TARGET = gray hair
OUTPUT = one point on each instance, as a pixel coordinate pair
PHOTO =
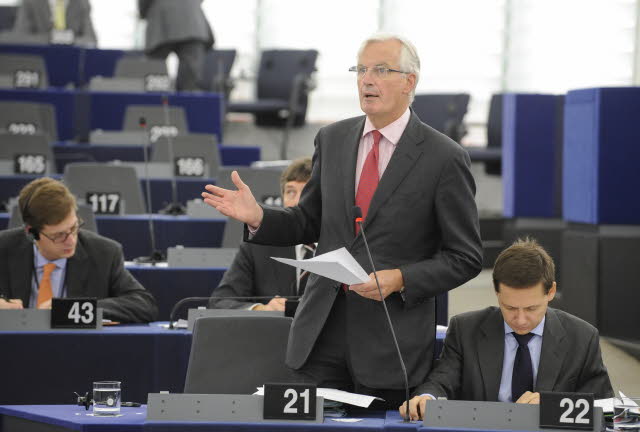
(409, 60)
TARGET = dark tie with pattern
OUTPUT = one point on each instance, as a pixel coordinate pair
(522, 378)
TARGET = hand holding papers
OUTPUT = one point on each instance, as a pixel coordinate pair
(338, 265)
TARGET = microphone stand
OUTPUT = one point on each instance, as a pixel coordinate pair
(185, 300)
(174, 208)
(358, 213)
(156, 255)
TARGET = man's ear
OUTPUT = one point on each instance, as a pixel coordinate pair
(410, 83)
(552, 291)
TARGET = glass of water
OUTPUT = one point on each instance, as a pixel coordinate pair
(106, 398)
(626, 414)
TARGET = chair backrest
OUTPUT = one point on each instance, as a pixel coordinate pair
(202, 146)
(26, 118)
(494, 132)
(216, 70)
(24, 70)
(443, 112)
(7, 17)
(279, 70)
(234, 355)
(27, 148)
(265, 185)
(156, 122)
(84, 212)
(95, 178)
(139, 67)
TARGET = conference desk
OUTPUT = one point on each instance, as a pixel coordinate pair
(170, 285)
(78, 111)
(132, 232)
(47, 367)
(188, 189)
(71, 152)
(69, 417)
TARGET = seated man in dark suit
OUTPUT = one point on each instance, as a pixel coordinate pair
(254, 273)
(511, 353)
(53, 257)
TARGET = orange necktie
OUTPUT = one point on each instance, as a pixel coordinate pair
(45, 293)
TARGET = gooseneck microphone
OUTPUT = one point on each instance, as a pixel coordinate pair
(186, 300)
(357, 214)
(156, 255)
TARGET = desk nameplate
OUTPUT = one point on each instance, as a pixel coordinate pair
(490, 415)
(215, 408)
(36, 320)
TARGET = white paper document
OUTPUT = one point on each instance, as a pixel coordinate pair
(338, 265)
(339, 396)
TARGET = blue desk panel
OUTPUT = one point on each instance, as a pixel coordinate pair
(600, 169)
(47, 367)
(100, 62)
(62, 61)
(188, 189)
(204, 111)
(71, 152)
(133, 232)
(170, 285)
(135, 419)
(63, 100)
(531, 155)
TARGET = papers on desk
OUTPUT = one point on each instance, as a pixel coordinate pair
(339, 396)
(180, 324)
(338, 265)
(607, 404)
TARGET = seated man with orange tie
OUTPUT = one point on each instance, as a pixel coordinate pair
(53, 257)
(511, 353)
(254, 273)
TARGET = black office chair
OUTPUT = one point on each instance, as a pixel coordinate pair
(25, 154)
(26, 118)
(23, 71)
(284, 82)
(221, 350)
(265, 185)
(216, 72)
(203, 146)
(444, 112)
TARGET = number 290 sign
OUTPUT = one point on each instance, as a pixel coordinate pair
(74, 313)
(566, 410)
(289, 401)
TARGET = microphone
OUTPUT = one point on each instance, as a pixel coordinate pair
(156, 255)
(186, 300)
(174, 208)
(357, 213)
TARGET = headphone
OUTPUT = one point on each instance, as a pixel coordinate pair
(34, 232)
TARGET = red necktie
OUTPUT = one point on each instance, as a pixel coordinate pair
(369, 177)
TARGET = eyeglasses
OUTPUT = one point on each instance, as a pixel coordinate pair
(61, 237)
(377, 71)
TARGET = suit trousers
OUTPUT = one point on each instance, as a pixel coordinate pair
(329, 364)
(191, 57)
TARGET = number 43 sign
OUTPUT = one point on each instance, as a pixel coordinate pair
(73, 313)
(566, 410)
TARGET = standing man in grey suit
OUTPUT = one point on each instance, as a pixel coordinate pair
(253, 273)
(512, 353)
(53, 257)
(180, 27)
(416, 193)
(40, 17)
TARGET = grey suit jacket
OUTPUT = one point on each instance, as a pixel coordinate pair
(470, 366)
(422, 220)
(170, 21)
(254, 273)
(95, 270)
(34, 17)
